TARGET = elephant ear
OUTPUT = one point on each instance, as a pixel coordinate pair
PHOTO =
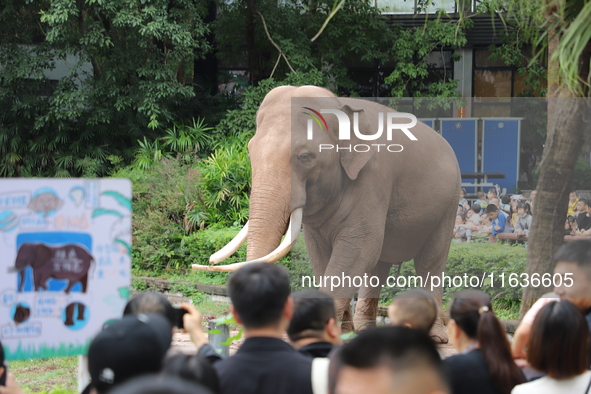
(44, 255)
(353, 161)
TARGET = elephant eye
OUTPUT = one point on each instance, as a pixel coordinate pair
(306, 158)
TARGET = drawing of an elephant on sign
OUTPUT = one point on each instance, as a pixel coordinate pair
(69, 262)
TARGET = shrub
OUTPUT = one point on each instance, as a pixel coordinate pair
(226, 182)
(167, 204)
(582, 175)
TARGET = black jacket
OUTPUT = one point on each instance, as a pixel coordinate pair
(265, 365)
(316, 349)
(468, 374)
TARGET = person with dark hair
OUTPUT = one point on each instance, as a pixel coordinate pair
(462, 231)
(8, 384)
(523, 221)
(505, 204)
(573, 198)
(523, 330)
(583, 217)
(130, 347)
(573, 264)
(313, 329)
(463, 203)
(194, 368)
(150, 302)
(532, 199)
(558, 347)
(415, 308)
(264, 364)
(498, 221)
(491, 193)
(484, 365)
(480, 199)
(158, 384)
(570, 225)
(390, 360)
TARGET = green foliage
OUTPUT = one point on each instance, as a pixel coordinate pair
(411, 76)
(475, 259)
(356, 32)
(182, 140)
(582, 175)
(164, 198)
(226, 182)
(242, 121)
(128, 65)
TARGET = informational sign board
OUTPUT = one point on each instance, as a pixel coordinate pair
(65, 262)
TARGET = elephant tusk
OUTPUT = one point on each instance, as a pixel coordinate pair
(291, 236)
(230, 248)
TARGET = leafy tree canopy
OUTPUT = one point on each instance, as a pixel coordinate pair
(141, 57)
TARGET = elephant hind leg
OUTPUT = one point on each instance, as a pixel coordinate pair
(431, 262)
(81, 311)
(71, 284)
(84, 282)
(343, 309)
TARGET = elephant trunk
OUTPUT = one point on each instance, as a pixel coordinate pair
(269, 214)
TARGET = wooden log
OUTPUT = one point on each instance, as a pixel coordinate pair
(165, 285)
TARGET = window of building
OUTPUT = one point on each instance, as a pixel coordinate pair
(494, 84)
(416, 6)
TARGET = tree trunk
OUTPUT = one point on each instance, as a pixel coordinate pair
(562, 147)
(253, 57)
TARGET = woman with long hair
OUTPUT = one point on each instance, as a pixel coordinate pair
(485, 364)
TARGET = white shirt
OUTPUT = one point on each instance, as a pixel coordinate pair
(546, 385)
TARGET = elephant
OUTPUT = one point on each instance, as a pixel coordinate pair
(71, 262)
(362, 209)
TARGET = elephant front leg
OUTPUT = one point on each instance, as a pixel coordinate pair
(40, 280)
(367, 305)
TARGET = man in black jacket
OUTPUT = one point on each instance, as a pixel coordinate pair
(313, 329)
(264, 364)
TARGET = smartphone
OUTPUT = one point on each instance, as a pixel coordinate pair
(3, 377)
(179, 317)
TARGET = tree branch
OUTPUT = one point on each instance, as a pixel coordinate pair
(332, 13)
(273, 42)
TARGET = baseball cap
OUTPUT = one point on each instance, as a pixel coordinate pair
(132, 346)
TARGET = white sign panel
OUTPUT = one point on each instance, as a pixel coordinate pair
(65, 262)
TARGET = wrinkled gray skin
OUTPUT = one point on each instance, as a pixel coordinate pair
(362, 211)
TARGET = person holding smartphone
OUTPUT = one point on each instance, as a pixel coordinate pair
(8, 384)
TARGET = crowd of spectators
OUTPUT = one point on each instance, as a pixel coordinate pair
(292, 343)
(511, 216)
